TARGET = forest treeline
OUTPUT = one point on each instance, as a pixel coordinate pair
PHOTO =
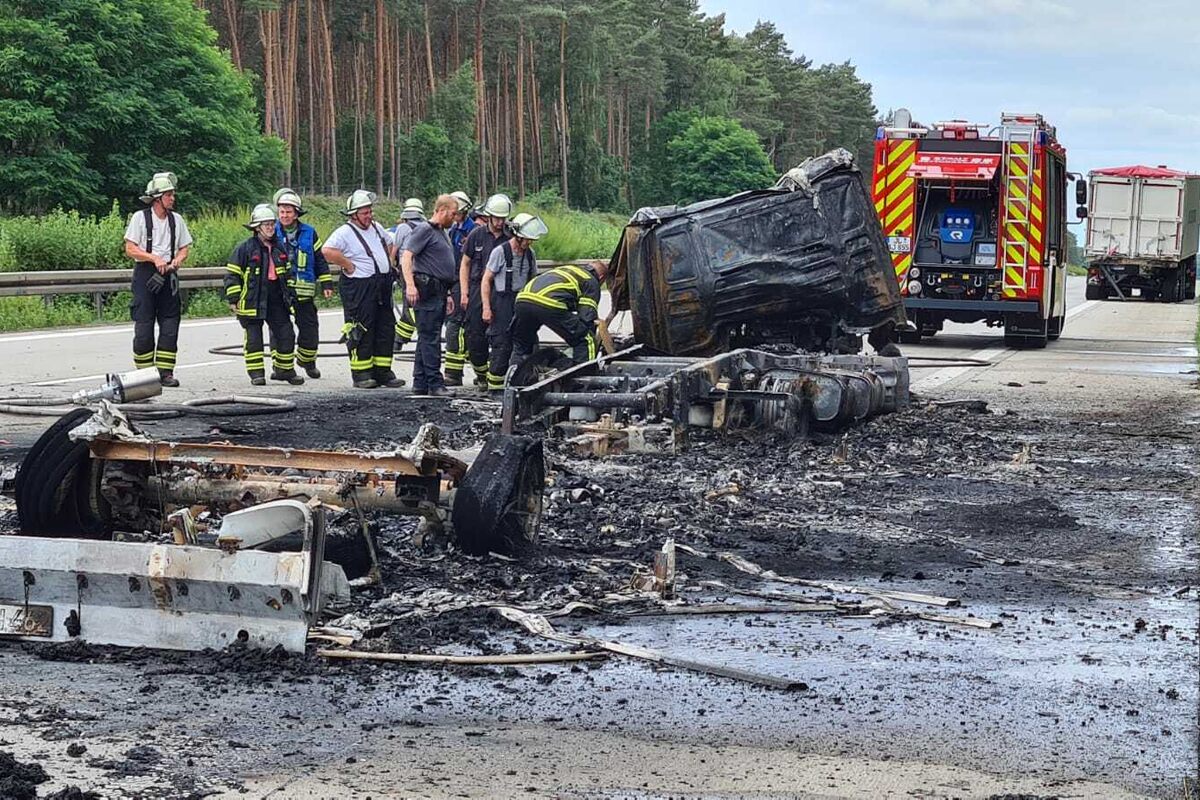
(603, 104)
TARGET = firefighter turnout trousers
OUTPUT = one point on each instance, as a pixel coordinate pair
(528, 319)
(283, 337)
(148, 307)
(456, 338)
(476, 331)
(406, 320)
(308, 336)
(500, 338)
(369, 325)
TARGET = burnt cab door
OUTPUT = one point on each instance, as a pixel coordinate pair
(686, 325)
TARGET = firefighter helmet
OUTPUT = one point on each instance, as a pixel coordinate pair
(160, 184)
(361, 198)
(288, 197)
(528, 227)
(414, 204)
(263, 212)
(463, 199)
(498, 205)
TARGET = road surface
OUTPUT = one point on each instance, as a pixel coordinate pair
(1069, 515)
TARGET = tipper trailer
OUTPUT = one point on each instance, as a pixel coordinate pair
(1144, 223)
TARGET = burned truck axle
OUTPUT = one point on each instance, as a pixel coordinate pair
(664, 396)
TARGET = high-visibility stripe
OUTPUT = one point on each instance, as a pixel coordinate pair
(902, 208)
(1015, 278)
(382, 362)
(543, 301)
(589, 302)
(899, 191)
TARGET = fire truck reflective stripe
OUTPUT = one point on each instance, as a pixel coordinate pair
(897, 213)
(1014, 279)
(901, 262)
(898, 191)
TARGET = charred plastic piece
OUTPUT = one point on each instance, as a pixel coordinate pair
(804, 263)
(745, 388)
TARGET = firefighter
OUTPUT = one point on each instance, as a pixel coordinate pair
(567, 301)
(362, 250)
(477, 249)
(428, 265)
(307, 272)
(411, 216)
(258, 289)
(456, 337)
(511, 266)
(158, 241)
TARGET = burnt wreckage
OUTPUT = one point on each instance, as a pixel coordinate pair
(800, 270)
(802, 265)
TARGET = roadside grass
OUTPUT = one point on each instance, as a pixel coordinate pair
(1076, 270)
(63, 240)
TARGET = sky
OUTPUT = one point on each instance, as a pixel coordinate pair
(1119, 78)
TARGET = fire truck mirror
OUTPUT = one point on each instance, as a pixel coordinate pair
(1081, 193)
(1081, 212)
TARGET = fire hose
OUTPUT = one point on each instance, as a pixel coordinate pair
(131, 391)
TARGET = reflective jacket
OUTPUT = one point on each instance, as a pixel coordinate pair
(246, 277)
(568, 288)
(308, 265)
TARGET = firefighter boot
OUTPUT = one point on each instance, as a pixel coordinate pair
(167, 378)
(287, 375)
(312, 371)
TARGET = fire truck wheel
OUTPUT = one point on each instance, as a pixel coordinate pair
(498, 503)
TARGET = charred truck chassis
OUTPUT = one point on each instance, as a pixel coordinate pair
(90, 476)
(651, 401)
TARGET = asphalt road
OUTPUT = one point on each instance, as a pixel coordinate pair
(1089, 689)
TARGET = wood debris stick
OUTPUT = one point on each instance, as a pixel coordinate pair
(732, 608)
(504, 659)
(540, 626)
(970, 622)
(750, 568)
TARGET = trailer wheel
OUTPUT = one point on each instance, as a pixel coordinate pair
(1055, 328)
(498, 503)
(1094, 291)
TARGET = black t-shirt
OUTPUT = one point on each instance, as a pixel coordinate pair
(432, 253)
(479, 246)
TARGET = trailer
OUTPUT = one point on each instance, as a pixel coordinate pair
(976, 222)
(1143, 232)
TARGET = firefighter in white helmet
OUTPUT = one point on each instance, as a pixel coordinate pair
(258, 289)
(412, 215)
(511, 266)
(477, 249)
(362, 250)
(157, 239)
(456, 335)
(309, 272)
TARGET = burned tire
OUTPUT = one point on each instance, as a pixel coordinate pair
(498, 503)
(55, 488)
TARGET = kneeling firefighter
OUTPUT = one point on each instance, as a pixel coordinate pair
(510, 267)
(363, 251)
(308, 272)
(257, 290)
(567, 301)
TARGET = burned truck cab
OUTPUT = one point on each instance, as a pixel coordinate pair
(802, 264)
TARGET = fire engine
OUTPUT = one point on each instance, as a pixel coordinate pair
(976, 222)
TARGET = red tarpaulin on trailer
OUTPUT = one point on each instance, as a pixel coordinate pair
(1141, 172)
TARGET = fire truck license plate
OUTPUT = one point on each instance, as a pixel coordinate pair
(899, 244)
(26, 620)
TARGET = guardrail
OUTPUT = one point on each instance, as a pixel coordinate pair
(101, 281)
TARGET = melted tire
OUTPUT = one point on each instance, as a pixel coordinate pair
(53, 475)
(498, 503)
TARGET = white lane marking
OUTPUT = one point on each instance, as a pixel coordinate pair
(1079, 309)
(86, 378)
(125, 329)
(943, 376)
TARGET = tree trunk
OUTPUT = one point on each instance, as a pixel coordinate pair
(429, 51)
(480, 107)
(521, 110)
(264, 35)
(309, 64)
(380, 61)
(564, 139)
(331, 121)
(235, 48)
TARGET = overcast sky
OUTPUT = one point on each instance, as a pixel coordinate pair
(1120, 78)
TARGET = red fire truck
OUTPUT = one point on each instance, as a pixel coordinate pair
(976, 222)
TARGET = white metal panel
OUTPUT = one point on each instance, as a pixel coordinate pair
(1110, 219)
(1159, 221)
